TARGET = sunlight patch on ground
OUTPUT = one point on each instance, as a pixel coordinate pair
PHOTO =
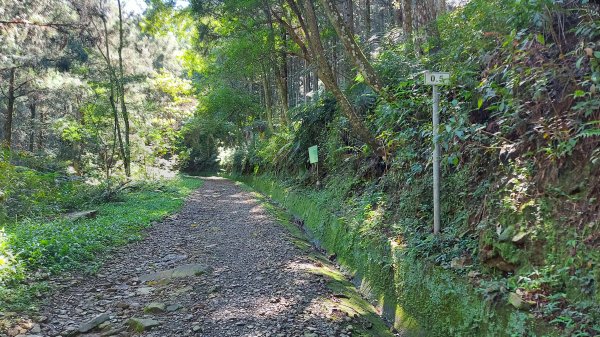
(300, 266)
(258, 214)
(267, 307)
(8, 263)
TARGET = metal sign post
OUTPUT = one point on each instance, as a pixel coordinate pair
(436, 79)
(313, 158)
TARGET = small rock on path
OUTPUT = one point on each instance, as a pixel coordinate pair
(220, 267)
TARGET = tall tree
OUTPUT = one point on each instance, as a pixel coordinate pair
(18, 86)
(279, 58)
(353, 50)
(268, 96)
(121, 85)
(282, 79)
(348, 11)
(113, 81)
(367, 20)
(407, 17)
(315, 52)
(32, 124)
(397, 8)
(10, 108)
(116, 82)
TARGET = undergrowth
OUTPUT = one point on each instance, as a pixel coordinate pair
(33, 186)
(33, 248)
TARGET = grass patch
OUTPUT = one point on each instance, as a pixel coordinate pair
(32, 249)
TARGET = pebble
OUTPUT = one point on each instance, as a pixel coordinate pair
(155, 308)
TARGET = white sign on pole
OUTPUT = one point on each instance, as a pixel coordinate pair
(432, 78)
(435, 79)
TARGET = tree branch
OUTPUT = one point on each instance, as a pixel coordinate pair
(54, 25)
(25, 93)
(22, 84)
(298, 55)
(296, 10)
(12, 67)
(294, 35)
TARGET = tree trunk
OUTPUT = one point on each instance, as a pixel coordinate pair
(10, 108)
(268, 98)
(305, 81)
(328, 78)
(367, 20)
(398, 16)
(113, 84)
(353, 49)
(290, 90)
(282, 86)
(383, 11)
(407, 18)
(42, 121)
(349, 15)
(124, 112)
(345, 62)
(296, 80)
(335, 61)
(315, 85)
(442, 7)
(280, 67)
(32, 125)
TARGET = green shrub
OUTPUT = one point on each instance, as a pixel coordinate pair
(59, 244)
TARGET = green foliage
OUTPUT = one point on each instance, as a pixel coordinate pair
(9, 265)
(276, 152)
(199, 146)
(286, 151)
(40, 190)
(219, 122)
(33, 246)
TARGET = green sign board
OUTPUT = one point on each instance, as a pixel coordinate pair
(313, 154)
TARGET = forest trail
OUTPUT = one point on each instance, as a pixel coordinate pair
(222, 266)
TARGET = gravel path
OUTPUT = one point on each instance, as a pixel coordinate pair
(221, 267)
